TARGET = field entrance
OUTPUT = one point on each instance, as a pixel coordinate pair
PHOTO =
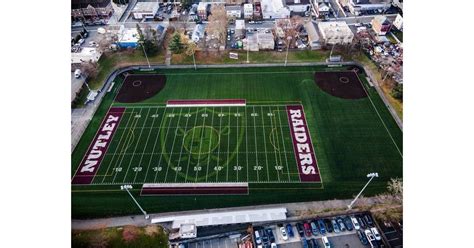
(201, 143)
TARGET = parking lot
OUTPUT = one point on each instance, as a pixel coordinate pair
(394, 234)
(225, 242)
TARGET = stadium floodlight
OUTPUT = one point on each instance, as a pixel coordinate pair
(287, 47)
(126, 188)
(370, 176)
(141, 44)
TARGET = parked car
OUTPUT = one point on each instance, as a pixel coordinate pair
(326, 242)
(283, 233)
(362, 237)
(328, 225)
(300, 229)
(304, 242)
(376, 233)
(270, 235)
(340, 222)
(315, 243)
(335, 226)
(258, 239)
(80, 41)
(77, 73)
(289, 230)
(348, 222)
(362, 222)
(322, 228)
(307, 229)
(355, 223)
(314, 228)
(370, 235)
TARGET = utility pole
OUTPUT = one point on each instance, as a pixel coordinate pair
(371, 176)
(128, 186)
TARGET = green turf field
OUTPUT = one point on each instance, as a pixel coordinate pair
(158, 144)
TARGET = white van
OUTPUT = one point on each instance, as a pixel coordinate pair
(258, 239)
(355, 222)
(77, 73)
(325, 242)
(376, 233)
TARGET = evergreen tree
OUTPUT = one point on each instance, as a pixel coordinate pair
(176, 45)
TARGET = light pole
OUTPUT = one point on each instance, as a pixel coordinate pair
(126, 188)
(287, 48)
(371, 176)
(247, 49)
(141, 44)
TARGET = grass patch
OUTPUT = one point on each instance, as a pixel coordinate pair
(398, 34)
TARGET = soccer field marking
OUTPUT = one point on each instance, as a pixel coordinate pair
(118, 147)
(274, 147)
(200, 145)
(265, 144)
(218, 143)
(192, 140)
(383, 123)
(256, 147)
(163, 146)
(219, 147)
(246, 144)
(176, 170)
(154, 145)
(284, 147)
(146, 144)
(135, 149)
(182, 145)
(228, 149)
(237, 139)
(124, 148)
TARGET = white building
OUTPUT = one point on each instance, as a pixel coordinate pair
(87, 54)
(248, 11)
(233, 11)
(198, 32)
(335, 32)
(313, 37)
(398, 23)
(145, 10)
(260, 40)
(239, 27)
(128, 37)
(298, 6)
(357, 7)
(274, 9)
(322, 10)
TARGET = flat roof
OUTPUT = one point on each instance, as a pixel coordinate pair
(224, 217)
(145, 6)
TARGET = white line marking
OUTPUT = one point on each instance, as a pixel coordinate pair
(284, 146)
(192, 141)
(265, 145)
(182, 145)
(274, 145)
(172, 145)
(157, 137)
(146, 144)
(200, 145)
(209, 152)
(163, 147)
(256, 147)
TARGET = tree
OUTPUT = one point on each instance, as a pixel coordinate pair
(395, 187)
(190, 50)
(148, 40)
(397, 92)
(217, 23)
(89, 69)
(176, 45)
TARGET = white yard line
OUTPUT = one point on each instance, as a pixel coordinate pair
(209, 153)
(284, 147)
(118, 146)
(200, 145)
(274, 145)
(265, 145)
(135, 149)
(182, 145)
(163, 146)
(127, 140)
(237, 140)
(190, 149)
(154, 144)
(146, 144)
(246, 144)
(172, 145)
(256, 147)
(228, 149)
(219, 148)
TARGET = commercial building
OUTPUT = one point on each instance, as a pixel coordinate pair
(274, 9)
(146, 10)
(128, 37)
(91, 9)
(358, 7)
(299, 6)
(233, 11)
(335, 32)
(381, 25)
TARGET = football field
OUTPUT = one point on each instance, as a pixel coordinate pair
(222, 137)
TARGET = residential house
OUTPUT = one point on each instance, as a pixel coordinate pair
(314, 40)
(257, 11)
(233, 11)
(274, 9)
(322, 10)
(358, 7)
(203, 10)
(300, 7)
(381, 25)
(248, 11)
(398, 23)
(91, 9)
(335, 32)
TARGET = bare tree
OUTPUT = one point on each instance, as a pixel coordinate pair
(217, 24)
(191, 50)
(89, 69)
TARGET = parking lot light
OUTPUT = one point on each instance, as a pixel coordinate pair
(370, 176)
(126, 188)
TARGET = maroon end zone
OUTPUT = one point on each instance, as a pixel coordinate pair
(205, 102)
(90, 163)
(195, 189)
(302, 145)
